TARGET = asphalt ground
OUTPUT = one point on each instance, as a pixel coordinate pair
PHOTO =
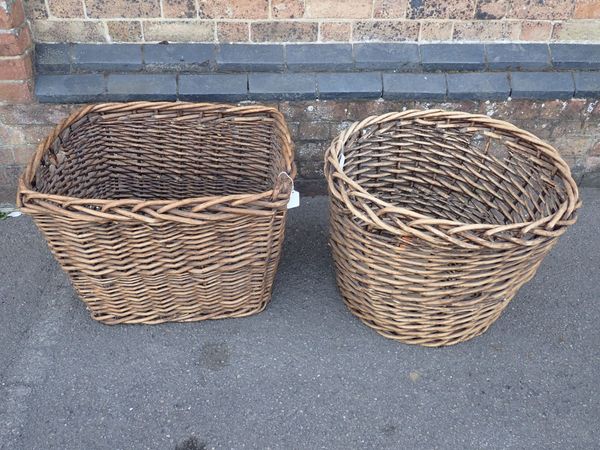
(304, 373)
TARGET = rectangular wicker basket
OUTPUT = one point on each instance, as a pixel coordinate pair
(164, 212)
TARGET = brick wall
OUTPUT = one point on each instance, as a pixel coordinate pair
(572, 126)
(16, 70)
(313, 20)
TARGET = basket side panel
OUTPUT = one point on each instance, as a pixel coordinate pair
(409, 290)
(130, 272)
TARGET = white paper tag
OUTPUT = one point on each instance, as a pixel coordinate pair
(342, 160)
(294, 200)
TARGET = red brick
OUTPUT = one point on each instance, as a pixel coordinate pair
(34, 114)
(540, 128)
(233, 9)
(436, 31)
(576, 30)
(287, 9)
(125, 30)
(15, 135)
(338, 9)
(18, 68)
(315, 111)
(12, 17)
(36, 9)
(466, 105)
(486, 30)
(587, 9)
(12, 92)
(390, 9)
(16, 42)
(567, 128)
(233, 31)
(179, 31)
(23, 153)
(362, 109)
(69, 31)
(294, 127)
(311, 151)
(592, 163)
(123, 8)
(314, 130)
(564, 109)
(179, 9)
(66, 8)
(284, 31)
(571, 144)
(390, 31)
(335, 31)
(442, 9)
(8, 178)
(490, 9)
(11, 135)
(6, 155)
(532, 30)
(546, 10)
(311, 169)
(574, 108)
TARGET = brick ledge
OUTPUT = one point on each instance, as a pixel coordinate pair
(84, 88)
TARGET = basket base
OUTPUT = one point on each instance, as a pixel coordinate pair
(177, 318)
(443, 338)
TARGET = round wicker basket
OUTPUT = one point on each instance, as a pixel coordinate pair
(438, 218)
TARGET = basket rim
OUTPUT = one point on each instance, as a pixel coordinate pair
(131, 208)
(334, 170)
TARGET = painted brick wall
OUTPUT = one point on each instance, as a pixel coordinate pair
(572, 126)
(313, 20)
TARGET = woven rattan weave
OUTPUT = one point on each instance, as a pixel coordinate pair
(164, 211)
(437, 218)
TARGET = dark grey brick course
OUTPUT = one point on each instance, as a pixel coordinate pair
(575, 56)
(213, 87)
(107, 58)
(478, 86)
(129, 87)
(587, 84)
(282, 86)
(452, 56)
(412, 86)
(542, 85)
(518, 56)
(53, 58)
(349, 85)
(397, 56)
(538, 71)
(194, 57)
(317, 57)
(250, 57)
(79, 88)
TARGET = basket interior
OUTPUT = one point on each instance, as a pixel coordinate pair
(151, 154)
(455, 170)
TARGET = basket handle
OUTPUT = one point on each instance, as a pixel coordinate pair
(284, 183)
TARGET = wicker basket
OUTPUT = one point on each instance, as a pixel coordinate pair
(438, 218)
(164, 212)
